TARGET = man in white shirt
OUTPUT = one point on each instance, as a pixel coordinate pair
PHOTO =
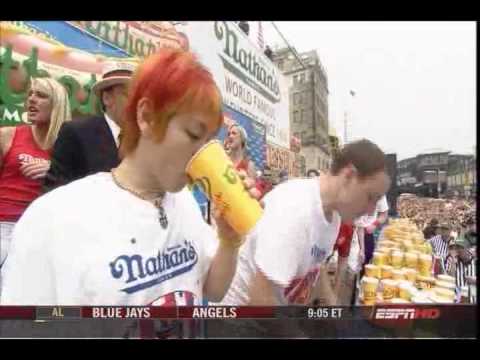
(366, 226)
(285, 254)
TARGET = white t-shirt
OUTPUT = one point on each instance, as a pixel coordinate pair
(369, 219)
(92, 243)
(288, 244)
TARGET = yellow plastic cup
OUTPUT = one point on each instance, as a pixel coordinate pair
(398, 274)
(386, 271)
(425, 265)
(411, 275)
(390, 289)
(411, 260)
(214, 172)
(397, 259)
(379, 258)
(404, 290)
(369, 287)
(424, 282)
(387, 251)
(407, 245)
(372, 271)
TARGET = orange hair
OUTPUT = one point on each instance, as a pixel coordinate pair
(175, 82)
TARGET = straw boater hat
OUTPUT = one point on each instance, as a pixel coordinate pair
(114, 73)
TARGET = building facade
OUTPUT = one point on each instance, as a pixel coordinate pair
(462, 176)
(308, 97)
(438, 172)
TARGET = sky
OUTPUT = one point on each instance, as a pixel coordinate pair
(414, 82)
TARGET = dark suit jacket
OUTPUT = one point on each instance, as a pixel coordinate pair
(83, 147)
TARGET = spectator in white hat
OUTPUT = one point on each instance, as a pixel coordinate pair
(90, 145)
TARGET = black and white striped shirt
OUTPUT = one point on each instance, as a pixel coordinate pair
(440, 246)
(461, 271)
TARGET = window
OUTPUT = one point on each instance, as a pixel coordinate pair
(296, 98)
(295, 117)
(305, 96)
(304, 136)
(302, 78)
(295, 79)
(302, 115)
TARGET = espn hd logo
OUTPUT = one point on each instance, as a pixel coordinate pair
(406, 313)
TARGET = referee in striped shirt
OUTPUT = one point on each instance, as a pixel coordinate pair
(441, 241)
(461, 264)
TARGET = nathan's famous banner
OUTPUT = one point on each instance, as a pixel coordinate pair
(71, 52)
(250, 83)
(136, 38)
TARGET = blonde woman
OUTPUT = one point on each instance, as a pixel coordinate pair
(236, 146)
(25, 153)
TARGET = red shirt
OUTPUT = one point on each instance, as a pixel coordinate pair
(344, 240)
(263, 186)
(17, 191)
(242, 165)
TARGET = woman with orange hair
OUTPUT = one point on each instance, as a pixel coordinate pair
(133, 236)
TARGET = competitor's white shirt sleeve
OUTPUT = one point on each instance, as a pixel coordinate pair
(28, 276)
(367, 219)
(279, 246)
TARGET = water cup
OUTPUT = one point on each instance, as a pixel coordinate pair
(214, 172)
(425, 265)
(369, 289)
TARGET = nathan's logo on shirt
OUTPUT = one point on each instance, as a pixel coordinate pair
(299, 289)
(29, 159)
(317, 253)
(142, 273)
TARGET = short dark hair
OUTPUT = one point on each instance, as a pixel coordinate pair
(102, 104)
(366, 156)
(312, 171)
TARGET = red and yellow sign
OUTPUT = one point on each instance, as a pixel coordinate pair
(283, 159)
